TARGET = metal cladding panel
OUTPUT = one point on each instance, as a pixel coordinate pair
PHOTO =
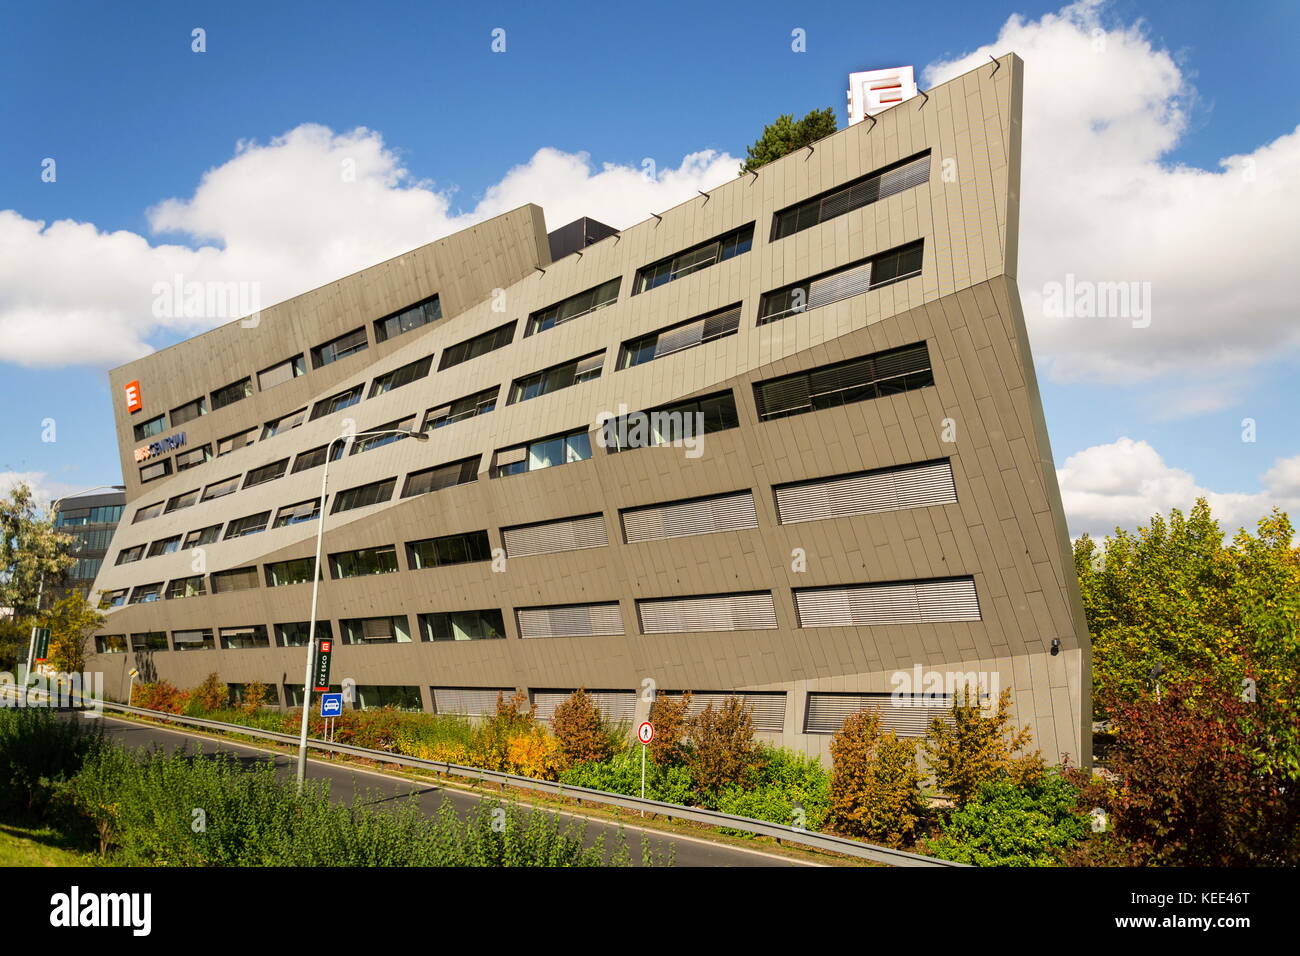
(913, 602)
(569, 534)
(571, 620)
(723, 612)
(904, 714)
(729, 512)
(910, 486)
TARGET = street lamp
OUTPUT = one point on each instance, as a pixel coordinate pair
(315, 584)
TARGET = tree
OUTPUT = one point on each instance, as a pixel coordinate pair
(875, 783)
(968, 749)
(30, 550)
(580, 730)
(724, 747)
(212, 694)
(785, 135)
(671, 719)
(71, 621)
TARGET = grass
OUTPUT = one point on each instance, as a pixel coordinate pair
(38, 846)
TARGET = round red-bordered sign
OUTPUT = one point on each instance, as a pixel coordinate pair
(646, 732)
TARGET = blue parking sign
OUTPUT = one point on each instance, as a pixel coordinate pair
(331, 705)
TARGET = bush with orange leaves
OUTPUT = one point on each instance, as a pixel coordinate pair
(514, 717)
(160, 695)
(672, 723)
(580, 730)
(535, 753)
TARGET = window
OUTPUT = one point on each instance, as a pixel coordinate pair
(219, 489)
(274, 470)
(347, 344)
(193, 457)
(185, 588)
(147, 512)
(155, 471)
(281, 372)
(149, 641)
(130, 555)
(236, 441)
(283, 423)
(469, 701)
(482, 625)
(570, 620)
(574, 306)
(684, 335)
(448, 549)
(236, 579)
(298, 633)
(754, 610)
(189, 411)
(146, 593)
(615, 706)
(293, 571)
(377, 441)
(480, 403)
(401, 376)
(678, 424)
(478, 345)
(557, 377)
(364, 495)
(239, 638)
(371, 696)
(336, 403)
(412, 317)
(376, 630)
(234, 392)
(866, 492)
(907, 715)
(202, 536)
(251, 524)
(543, 453)
(296, 514)
(857, 380)
(153, 426)
(186, 500)
(679, 519)
(72, 519)
(165, 546)
(842, 283)
(767, 710)
(908, 602)
(871, 188)
(551, 537)
(364, 561)
(443, 476)
(111, 644)
(196, 640)
(694, 259)
(314, 457)
(76, 517)
(112, 599)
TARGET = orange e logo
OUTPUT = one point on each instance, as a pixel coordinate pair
(133, 403)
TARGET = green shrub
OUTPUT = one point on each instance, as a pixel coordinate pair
(876, 784)
(1009, 825)
(38, 749)
(622, 774)
(787, 787)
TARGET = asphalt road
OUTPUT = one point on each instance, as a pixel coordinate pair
(347, 782)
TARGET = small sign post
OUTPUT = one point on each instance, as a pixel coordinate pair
(645, 733)
(331, 706)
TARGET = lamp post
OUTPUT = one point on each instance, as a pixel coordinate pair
(312, 640)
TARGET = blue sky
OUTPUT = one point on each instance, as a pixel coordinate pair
(133, 117)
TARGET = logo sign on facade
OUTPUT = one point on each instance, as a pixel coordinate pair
(331, 705)
(322, 668)
(161, 447)
(133, 403)
(41, 635)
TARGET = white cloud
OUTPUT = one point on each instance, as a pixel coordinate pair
(1124, 483)
(45, 489)
(289, 215)
(1103, 108)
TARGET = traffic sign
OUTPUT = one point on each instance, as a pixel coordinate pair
(331, 705)
(646, 732)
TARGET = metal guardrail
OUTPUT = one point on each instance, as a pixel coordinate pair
(789, 834)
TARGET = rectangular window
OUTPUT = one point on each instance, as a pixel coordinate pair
(153, 426)
(196, 640)
(480, 403)
(683, 335)
(374, 696)
(236, 579)
(488, 341)
(153, 472)
(443, 476)
(234, 392)
(401, 376)
(679, 519)
(842, 283)
(240, 638)
(146, 593)
(130, 555)
(297, 513)
(236, 441)
(259, 476)
(378, 441)
(766, 709)
(202, 536)
(484, 625)
(469, 701)
(193, 457)
(314, 457)
(165, 546)
(186, 500)
(881, 184)
(298, 633)
(112, 599)
(751, 611)
(336, 403)
(347, 344)
(364, 495)
(364, 561)
(675, 424)
(907, 715)
(281, 372)
(857, 380)
(376, 630)
(111, 644)
(412, 317)
(251, 524)
(149, 641)
(574, 306)
(189, 411)
(552, 379)
(907, 602)
(551, 537)
(543, 453)
(147, 512)
(615, 706)
(293, 571)
(866, 492)
(283, 423)
(448, 549)
(724, 247)
(219, 489)
(570, 620)
(185, 588)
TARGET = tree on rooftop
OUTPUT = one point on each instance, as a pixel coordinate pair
(786, 134)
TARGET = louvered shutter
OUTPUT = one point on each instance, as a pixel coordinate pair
(590, 363)
(723, 612)
(376, 628)
(911, 486)
(905, 715)
(722, 323)
(469, 701)
(843, 376)
(841, 285)
(767, 710)
(511, 456)
(920, 602)
(674, 340)
(915, 358)
(783, 396)
(571, 620)
(614, 706)
(570, 534)
(905, 177)
(697, 516)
